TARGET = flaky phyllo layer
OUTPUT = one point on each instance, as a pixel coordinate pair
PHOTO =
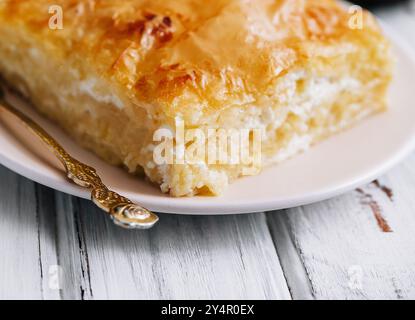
(130, 78)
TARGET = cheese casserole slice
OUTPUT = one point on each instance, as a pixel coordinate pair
(113, 72)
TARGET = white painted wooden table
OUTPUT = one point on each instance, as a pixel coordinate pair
(360, 245)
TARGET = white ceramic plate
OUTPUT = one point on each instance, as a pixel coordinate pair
(335, 166)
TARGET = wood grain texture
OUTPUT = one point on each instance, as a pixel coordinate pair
(337, 249)
(42, 232)
(181, 258)
(26, 240)
(47, 246)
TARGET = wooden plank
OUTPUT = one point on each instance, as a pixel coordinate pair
(358, 246)
(25, 250)
(72, 250)
(48, 259)
(182, 258)
(294, 271)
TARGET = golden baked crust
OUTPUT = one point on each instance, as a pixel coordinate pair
(296, 68)
(221, 53)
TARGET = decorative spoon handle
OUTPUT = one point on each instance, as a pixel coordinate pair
(122, 211)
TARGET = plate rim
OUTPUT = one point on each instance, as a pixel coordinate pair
(165, 204)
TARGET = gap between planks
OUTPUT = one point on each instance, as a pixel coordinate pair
(222, 257)
(341, 249)
(45, 232)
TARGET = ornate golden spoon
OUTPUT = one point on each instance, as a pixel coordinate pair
(122, 211)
